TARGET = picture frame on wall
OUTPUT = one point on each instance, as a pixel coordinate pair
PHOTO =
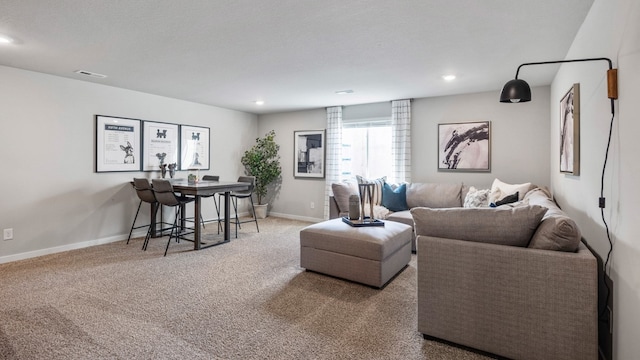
(464, 147)
(160, 145)
(118, 144)
(570, 131)
(194, 147)
(309, 154)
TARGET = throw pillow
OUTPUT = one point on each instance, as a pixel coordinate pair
(394, 200)
(506, 200)
(341, 193)
(476, 198)
(377, 189)
(502, 226)
(501, 189)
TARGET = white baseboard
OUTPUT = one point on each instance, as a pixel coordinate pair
(296, 217)
(68, 247)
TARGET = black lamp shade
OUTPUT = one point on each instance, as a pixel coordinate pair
(515, 91)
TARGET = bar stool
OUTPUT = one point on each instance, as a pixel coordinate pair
(145, 194)
(166, 196)
(235, 195)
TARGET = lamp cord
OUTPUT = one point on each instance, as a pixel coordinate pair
(604, 166)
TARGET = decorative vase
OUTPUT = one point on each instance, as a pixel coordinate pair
(354, 207)
(260, 211)
(163, 170)
(172, 170)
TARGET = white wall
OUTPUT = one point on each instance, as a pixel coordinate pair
(295, 196)
(52, 198)
(520, 145)
(519, 137)
(612, 29)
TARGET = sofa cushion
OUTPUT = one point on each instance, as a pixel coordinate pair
(476, 198)
(502, 226)
(557, 231)
(341, 193)
(501, 189)
(434, 195)
(394, 199)
(377, 189)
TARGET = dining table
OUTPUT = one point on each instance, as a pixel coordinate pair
(200, 189)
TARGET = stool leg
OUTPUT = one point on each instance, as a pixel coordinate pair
(175, 227)
(134, 221)
(148, 237)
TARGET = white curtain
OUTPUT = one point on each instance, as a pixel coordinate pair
(401, 140)
(334, 152)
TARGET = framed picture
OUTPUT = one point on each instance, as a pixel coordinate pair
(570, 131)
(194, 147)
(160, 145)
(117, 144)
(464, 147)
(309, 154)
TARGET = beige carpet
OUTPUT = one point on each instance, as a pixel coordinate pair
(248, 299)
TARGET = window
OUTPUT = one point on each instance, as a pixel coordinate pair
(366, 149)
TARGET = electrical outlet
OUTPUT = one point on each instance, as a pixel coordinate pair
(313, 205)
(8, 234)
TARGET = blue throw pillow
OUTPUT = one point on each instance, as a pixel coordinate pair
(395, 200)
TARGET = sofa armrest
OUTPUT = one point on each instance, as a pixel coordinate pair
(515, 302)
(334, 213)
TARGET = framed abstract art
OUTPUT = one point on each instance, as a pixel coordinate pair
(464, 146)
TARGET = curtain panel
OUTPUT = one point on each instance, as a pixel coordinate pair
(401, 140)
(334, 152)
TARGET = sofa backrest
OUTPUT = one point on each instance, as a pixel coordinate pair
(434, 195)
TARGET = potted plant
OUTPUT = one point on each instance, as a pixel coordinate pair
(263, 162)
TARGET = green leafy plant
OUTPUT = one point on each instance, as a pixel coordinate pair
(263, 162)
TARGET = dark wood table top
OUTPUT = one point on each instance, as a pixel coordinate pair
(203, 187)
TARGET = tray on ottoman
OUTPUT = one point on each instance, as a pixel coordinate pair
(371, 255)
(365, 222)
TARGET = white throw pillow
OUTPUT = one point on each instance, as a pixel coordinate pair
(476, 198)
(500, 189)
(377, 189)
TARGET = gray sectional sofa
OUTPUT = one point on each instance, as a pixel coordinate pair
(514, 280)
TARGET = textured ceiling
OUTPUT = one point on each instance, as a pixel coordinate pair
(293, 54)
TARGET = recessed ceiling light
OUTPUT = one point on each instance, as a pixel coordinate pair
(6, 39)
(344, 92)
(450, 77)
(259, 102)
(89, 73)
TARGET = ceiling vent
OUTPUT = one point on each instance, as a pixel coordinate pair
(89, 73)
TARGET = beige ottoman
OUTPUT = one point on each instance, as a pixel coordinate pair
(369, 255)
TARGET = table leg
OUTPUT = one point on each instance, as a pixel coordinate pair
(227, 212)
(152, 221)
(196, 224)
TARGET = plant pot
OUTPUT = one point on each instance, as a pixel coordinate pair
(260, 211)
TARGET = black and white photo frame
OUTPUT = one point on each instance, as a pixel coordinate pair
(464, 147)
(309, 154)
(160, 145)
(194, 147)
(570, 131)
(118, 144)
